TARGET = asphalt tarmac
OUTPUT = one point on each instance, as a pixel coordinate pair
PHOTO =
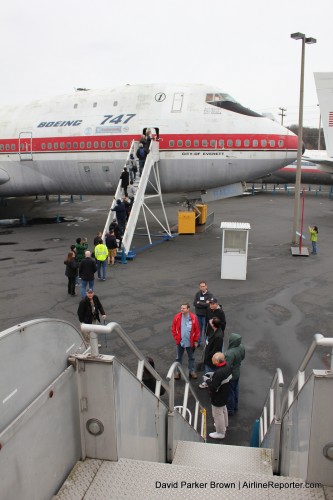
(283, 302)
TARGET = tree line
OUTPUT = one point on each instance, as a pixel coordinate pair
(310, 137)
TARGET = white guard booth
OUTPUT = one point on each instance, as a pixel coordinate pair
(235, 239)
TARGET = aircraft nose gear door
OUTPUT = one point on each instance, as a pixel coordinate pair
(25, 146)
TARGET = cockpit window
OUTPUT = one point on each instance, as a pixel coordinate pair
(225, 101)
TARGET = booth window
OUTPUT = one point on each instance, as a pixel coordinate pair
(234, 241)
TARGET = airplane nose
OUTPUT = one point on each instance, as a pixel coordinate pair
(4, 177)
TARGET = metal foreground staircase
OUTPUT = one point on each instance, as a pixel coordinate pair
(69, 412)
(149, 181)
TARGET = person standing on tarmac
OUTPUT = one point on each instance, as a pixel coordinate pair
(87, 271)
(201, 304)
(314, 237)
(101, 255)
(213, 344)
(234, 356)
(185, 331)
(215, 311)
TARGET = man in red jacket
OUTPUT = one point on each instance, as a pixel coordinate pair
(186, 332)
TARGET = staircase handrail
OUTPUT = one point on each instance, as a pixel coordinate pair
(151, 158)
(299, 379)
(117, 194)
(273, 403)
(113, 327)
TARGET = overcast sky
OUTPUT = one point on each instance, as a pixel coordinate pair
(244, 48)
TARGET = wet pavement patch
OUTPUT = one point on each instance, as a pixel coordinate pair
(8, 242)
(35, 249)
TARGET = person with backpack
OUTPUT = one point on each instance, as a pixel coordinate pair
(111, 244)
(141, 154)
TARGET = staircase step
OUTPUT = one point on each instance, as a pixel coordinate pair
(141, 480)
(224, 457)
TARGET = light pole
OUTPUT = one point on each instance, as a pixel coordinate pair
(299, 36)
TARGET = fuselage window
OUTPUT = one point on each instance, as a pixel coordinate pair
(75, 145)
(103, 144)
(110, 144)
(88, 144)
(280, 143)
(56, 145)
(81, 145)
(115, 103)
(95, 105)
(263, 143)
(75, 106)
(272, 143)
(49, 145)
(196, 143)
(125, 144)
(254, 143)
(221, 143)
(62, 145)
(13, 147)
(2, 148)
(68, 145)
(213, 143)
(117, 144)
(187, 143)
(238, 143)
(43, 145)
(7, 147)
(230, 143)
(171, 144)
(246, 143)
(179, 143)
(95, 144)
(204, 143)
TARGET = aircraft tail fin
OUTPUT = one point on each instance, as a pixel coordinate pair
(324, 86)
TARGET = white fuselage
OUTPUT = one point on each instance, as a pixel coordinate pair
(78, 144)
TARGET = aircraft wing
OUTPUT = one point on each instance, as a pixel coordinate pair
(325, 164)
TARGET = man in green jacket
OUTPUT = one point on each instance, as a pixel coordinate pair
(234, 357)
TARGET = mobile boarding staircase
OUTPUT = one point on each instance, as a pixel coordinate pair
(149, 181)
(66, 409)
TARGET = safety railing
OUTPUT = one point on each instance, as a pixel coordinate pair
(118, 192)
(115, 328)
(299, 380)
(198, 409)
(271, 415)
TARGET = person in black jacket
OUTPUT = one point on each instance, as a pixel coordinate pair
(89, 309)
(120, 210)
(219, 389)
(201, 304)
(215, 311)
(71, 272)
(213, 344)
(149, 380)
(87, 270)
(124, 176)
(111, 244)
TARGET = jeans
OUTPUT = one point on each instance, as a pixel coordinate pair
(84, 284)
(202, 326)
(232, 403)
(141, 165)
(101, 264)
(314, 246)
(190, 355)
